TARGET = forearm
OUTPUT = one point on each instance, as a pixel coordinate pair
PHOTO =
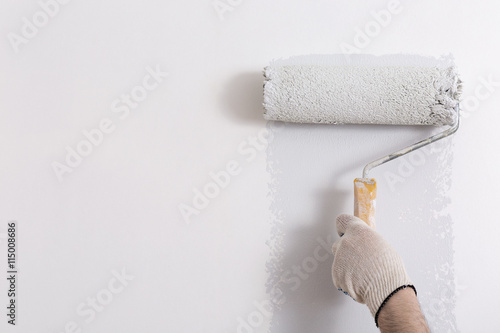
(402, 314)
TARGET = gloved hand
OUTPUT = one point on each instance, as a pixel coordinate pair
(365, 265)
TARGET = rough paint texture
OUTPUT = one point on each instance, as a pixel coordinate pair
(393, 90)
(311, 170)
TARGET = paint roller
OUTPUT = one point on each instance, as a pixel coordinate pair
(365, 89)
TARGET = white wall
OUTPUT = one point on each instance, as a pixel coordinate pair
(313, 184)
(118, 209)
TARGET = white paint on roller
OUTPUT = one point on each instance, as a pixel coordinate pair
(362, 89)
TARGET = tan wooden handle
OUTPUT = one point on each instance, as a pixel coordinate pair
(365, 193)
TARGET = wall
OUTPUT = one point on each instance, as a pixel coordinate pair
(312, 184)
(184, 208)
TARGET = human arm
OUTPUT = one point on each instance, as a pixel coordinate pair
(402, 313)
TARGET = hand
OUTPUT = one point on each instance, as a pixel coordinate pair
(365, 265)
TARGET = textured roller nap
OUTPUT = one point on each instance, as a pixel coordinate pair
(362, 89)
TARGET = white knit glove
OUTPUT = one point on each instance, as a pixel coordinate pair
(365, 265)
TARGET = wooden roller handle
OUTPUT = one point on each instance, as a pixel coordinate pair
(365, 193)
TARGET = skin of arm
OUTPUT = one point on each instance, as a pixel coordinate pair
(402, 314)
